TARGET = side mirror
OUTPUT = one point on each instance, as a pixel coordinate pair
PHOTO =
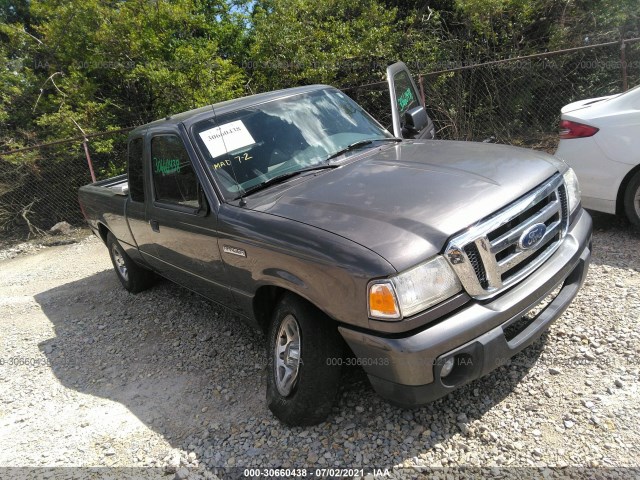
(415, 119)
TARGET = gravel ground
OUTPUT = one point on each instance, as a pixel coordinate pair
(93, 376)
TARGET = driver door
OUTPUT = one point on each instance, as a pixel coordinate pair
(409, 115)
(182, 221)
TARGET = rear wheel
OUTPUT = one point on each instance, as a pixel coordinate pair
(133, 277)
(304, 357)
(632, 200)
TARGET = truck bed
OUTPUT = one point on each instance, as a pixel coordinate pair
(105, 202)
(118, 184)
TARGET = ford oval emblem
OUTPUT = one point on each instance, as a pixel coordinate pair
(532, 236)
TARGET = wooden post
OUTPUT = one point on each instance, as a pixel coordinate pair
(85, 144)
(421, 83)
(623, 65)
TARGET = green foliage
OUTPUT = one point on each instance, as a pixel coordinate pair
(112, 170)
(95, 65)
(68, 66)
(297, 42)
(595, 21)
(17, 82)
(14, 11)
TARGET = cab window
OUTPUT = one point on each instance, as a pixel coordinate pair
(174, 180)
(136, 176)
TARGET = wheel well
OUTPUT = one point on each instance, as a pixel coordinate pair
(623, 188)
(264, 302)
(103, 231)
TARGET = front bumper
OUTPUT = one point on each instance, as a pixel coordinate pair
(406, 370)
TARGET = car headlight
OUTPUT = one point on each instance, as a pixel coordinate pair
(573, 189)
(412, 291)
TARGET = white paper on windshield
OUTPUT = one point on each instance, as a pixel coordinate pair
(226, 138)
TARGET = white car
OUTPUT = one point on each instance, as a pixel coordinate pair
(600, 140)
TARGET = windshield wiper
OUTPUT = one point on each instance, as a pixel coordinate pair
(358, 144)
(281, 178)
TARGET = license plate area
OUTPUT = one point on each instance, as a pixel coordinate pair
(518, 325)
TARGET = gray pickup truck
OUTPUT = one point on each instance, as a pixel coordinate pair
(428, 263)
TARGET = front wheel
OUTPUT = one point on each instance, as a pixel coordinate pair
(132, 276)
(304, 358)
(632, 200)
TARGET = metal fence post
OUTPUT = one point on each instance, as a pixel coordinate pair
(85, 144)
(623, 65)
(421, 83)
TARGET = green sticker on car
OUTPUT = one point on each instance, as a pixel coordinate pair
(405, 99)
(166, 166)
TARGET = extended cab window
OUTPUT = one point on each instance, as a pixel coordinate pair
(406, 96)
(174, 180)
(136, 176)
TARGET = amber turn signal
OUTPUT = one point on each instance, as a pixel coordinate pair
(382, 301)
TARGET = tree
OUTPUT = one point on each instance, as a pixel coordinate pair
(104, 65)
(297, 42)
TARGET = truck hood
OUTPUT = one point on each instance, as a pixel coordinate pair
(404, 201)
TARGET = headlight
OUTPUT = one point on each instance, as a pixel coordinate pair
(573, 189)
(413, 291)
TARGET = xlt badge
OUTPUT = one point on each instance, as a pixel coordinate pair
(234, 250)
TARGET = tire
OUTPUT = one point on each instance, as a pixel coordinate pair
(632, 200)
(132, 276)
(309, 394)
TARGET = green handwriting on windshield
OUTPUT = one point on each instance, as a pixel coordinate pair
(405, 99)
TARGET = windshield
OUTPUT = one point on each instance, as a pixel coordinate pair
(250, 146)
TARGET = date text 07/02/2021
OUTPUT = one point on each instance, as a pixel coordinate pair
(315, 472)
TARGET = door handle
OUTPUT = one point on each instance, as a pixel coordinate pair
(155, 226)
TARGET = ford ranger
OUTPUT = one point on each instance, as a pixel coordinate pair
(429, 263)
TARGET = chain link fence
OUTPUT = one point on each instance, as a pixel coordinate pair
(39, 185)
(519, 102)
(515, 102)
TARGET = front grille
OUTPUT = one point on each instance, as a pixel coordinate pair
(562, 191)
(506, 247)
(474, 257)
